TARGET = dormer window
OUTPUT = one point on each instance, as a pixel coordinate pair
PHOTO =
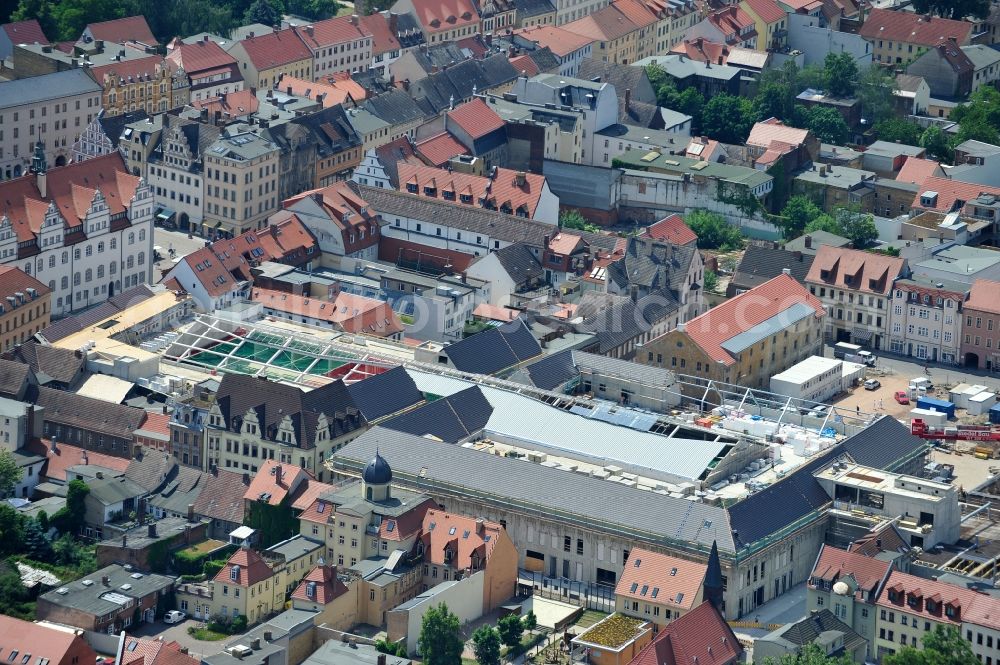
(430, 191)
(465, 198)
(824, 274)
(411, 187)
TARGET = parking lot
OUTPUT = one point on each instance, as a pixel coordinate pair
(178, 632)
(881, 400)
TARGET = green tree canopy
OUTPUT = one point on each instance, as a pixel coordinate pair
(11, 528)
(937, 144)
(572, 219)
(824, 223)
(809, 655)
(510, 630)
(876, 89)
(36, 543)
(486, 645)
(728, 118)
(827, 124)
(267, 12)
(69, 518)
(954, 9)
(841, 74)
(530, 621)
(440, 641)
(713, 231)
(10, 473)
(943, 646)
(796, 215)
(857, 225)
(897, 129)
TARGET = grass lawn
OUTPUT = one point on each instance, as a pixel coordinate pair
(206, 635)
(204, 547)
(347, 10)
(589, 618)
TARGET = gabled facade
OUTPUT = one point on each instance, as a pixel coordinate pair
(264, 59)
(341, 222)
(926, 319)
(442, 20)
(210, 71)
(899, 37)
(340, 44)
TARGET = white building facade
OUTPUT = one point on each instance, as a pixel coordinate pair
(925, 320)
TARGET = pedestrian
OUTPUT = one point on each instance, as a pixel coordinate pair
(874, 405)
(880, 403)
(859, 409)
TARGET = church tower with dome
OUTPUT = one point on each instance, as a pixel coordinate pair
(376, 480)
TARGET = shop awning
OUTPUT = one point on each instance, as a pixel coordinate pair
(165, 214)
(861, 336)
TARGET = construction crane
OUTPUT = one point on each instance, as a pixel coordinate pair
(954, 432)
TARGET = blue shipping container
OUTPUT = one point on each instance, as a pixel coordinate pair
(939, 405)
(995, 414)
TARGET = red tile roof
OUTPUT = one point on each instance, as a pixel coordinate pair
(701, 636)
(639, 13)
(834, 563)
(119, 31)
(147, 651)
(732, 20)
(524, 65)
(766, 132)
(268, 482)
(323, 582)
(384, 38)
(564, 244)
(71, 188)
(661, 579)
(200, 56)
(135, 69)
(917, 170)
(66, 456)
(14, 279)
(767, 10)
(476, 118)
(252, 569)
(983, 296)
(442, 15)
(867, 272)
(912, 28)
(465, 537)
(560, 41)
(25, 32)
(157, 422)
(56, 646)
(307, 492)
(332, 95)
(440, 148)
(237, 104)
(351, 313)
(342, 81)
(338, 30)
(407, 524)
(276, 49)
(948, 191)
(484, 310)
(736, 315)
(607, 24)
(910, 594)
(511, 191)
(671, 229)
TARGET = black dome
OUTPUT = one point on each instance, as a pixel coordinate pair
(377, 472)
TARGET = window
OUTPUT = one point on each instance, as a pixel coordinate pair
(567, 543)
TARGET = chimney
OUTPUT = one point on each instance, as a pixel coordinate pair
(267, 636)
(628, 98)
(277, 474)
(246, 478)
(354, 19)
(309, 30)
(105, 580)
(218, 117)
(255, 644)
(381, 659)
(184, 650)
(798, 256)
(190, 512)
(786, 271)
(480, 526)
(100, 475)
(124, 540)
(151, 530)
(521, 177)
(808, 241)
(205, 39)
(406, 84)
(52, 445)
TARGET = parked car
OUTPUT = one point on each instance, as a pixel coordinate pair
(174, 616)
(872, 384)
(901, 397)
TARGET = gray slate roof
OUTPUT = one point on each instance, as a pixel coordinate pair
(761, 263)
(87, 598)
(494, 350)
(395, 107)
(451, 419)
(527, 486)
(60, 85)
(529, 8)
(652, 264)
(385, 394)
(114, 490)
(520, 263)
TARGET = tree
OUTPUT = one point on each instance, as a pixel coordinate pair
(69, 518)
(711, 280)
(530, 622)
(10, 473)
(440, 641)
(827, 124)
(937, 144)
(486, 645)
(809, 655)
(263, 11)
(954, 9)
(572, 219)
(11, 528)
(824, 223)
(897, 129)
(688, 101)
(858, 226)
(510, 629)
(713, 231)
(36, 543)
(728, 118)
(841, 74)
(876, 89)
(315, 10)
(943, 646)
(796, 215)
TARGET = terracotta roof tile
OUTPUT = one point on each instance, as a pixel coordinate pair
(267, 482)
(251, 569)
(524, 65)
(767, 10)
(118, 31)
(332, 31)
(476, 118)
(949, 191)
(912, 28)
(44, 643)
(320, 586)
(983, 296)
(766, 132)
(348, 312)
(276, 49)
(465, 537)
(866, 272)
(441, 15)
(736, 315)
(917, 170)
(237, 104)
(225, 500)
(14, 280)
(671, 229)
(834, 563)
(904, 587)
(135, 68)
(384, 39)
(500, 193)
(661, 579)
(66, 456)
(440, 148)
(200, 56)
(701, 636)
(560, 41)
(25, 32)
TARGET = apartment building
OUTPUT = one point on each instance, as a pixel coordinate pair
(442, 20)
(571, 10)
(241, 184)
(925, 321)
(855, 288)
(264, 59)
(25, 306)
(95, 237)
(622, 32)
(848, 583)
(900, 37)
(340, 44)
(660, 588)
(52, 108)
(147, 84)
(770, 21)
(211, 72)
(254, 419)
(980, 346)
(175, 169)
(765, 331)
